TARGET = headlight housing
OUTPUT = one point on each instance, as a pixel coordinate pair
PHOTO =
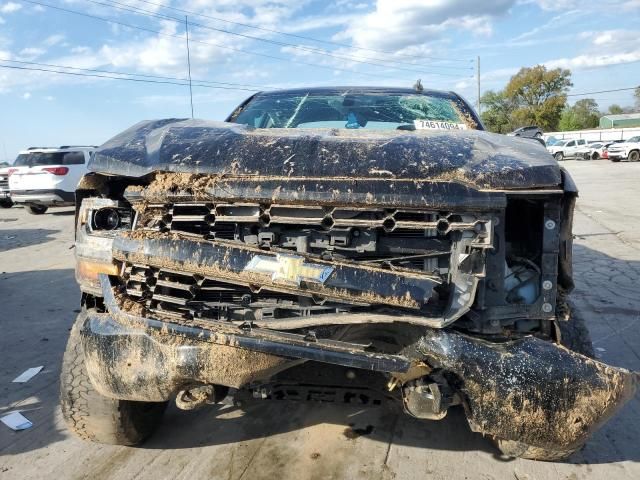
(110, 218)
(99, 221)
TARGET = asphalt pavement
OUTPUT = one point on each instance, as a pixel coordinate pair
(39, 300)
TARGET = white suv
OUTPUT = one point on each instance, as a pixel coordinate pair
(629, 149)
(44, 177)
(569, 149)
(5, 198)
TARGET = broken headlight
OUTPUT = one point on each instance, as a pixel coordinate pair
(110, 218)
(99, 219)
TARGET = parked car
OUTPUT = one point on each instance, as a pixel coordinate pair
(529, 132)
(568, 149)
(42, 177)
(355, 245)
(605, 151)
(597, 150)
(627, 150)
(5, 198)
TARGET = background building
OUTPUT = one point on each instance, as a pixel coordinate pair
(624, 120)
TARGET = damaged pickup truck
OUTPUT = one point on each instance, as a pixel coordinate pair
(356, 245)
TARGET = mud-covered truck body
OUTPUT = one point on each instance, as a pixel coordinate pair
(349, 244)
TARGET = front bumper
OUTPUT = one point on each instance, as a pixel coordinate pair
(527, 390)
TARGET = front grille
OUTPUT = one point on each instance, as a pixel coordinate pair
(4, 183)
(402, 241)
(416, 240)
(172, 293)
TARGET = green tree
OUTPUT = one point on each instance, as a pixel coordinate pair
(496, 114)
(539, 95)
(584, 114)
(568, 121)
(615, 109)
(533, 96)
(587, 113)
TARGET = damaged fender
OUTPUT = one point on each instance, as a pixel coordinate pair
(530, 390)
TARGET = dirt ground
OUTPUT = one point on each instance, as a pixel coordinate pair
(39, 298)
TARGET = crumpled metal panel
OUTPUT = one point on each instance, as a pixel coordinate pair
(473, 157)
(530, 390)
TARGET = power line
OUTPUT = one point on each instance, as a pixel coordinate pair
(147, 13)
(303, 37)
(111, 77)
(601, 91)
(143, 75)
(157, 32)
(186, 31)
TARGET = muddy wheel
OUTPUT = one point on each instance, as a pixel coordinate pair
(95, 417)
(559, 156)
(574, 335)
(36, 209)
(6, 203)
(634, 156)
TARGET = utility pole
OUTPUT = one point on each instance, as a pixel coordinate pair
(186, 29)
(478, 78)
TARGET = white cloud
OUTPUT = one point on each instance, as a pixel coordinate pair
(80, 49)
(26, 95)
(10, 7)
(584, 61)
(615, 40)
(49, 98)
(556, 4)
(395, 25)
(53, 40)
(31, 53)
(555, 22)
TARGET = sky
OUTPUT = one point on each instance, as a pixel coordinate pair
(251, 45)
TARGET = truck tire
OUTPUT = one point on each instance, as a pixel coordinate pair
(634, 156)
(92, 416)
(36, 209)
(575, 336)
(6, 203)
(559, 156)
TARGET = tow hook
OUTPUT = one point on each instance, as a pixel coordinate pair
(198, 396)
(428, 398)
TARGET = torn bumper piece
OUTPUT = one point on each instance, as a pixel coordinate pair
(527, 390)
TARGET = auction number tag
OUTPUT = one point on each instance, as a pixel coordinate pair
(436, 125)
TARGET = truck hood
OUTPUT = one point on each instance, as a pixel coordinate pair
(478, 159)
(622, 145)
